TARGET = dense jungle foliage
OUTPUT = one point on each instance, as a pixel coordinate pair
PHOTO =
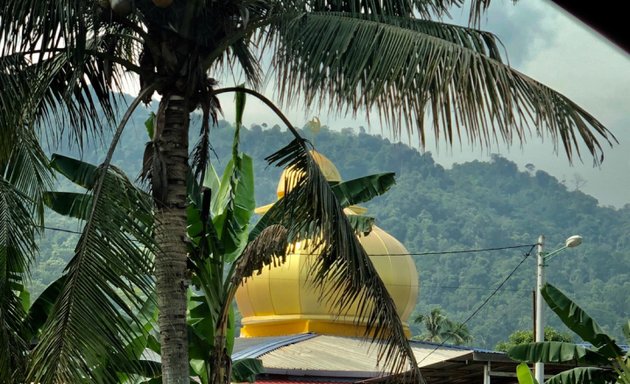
(431, 209)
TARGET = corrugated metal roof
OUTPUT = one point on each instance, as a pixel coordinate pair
(256, 346)
(344, 354)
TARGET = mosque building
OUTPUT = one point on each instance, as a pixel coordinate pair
(301, 339)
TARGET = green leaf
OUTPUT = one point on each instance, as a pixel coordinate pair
(77, 171)
(579, 321)
(235, 206)
(107, 282)
(149, 123)
(363, 189)
(199, 345)
(70, 204)
(201, 324)
(25, 297)
(524, 375)
(17, 251)
(584, 375)
(555, 352)
(242, 208)
(42, 306)
(246, 370)
(361, 224)
(221, 193)
(407, 69)
(198, 366)
(231, 330)
(212, 181)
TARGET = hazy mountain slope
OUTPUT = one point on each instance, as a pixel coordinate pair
(471, 206)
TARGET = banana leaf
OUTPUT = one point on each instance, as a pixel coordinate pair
(580, 322)
(71, 204)
(77, 171)
(555, 352)
(42, 307)
(524, 375)
(361, 224)
(584, 375)
(362, 189)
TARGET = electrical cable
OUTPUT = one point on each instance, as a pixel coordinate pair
(59, 229)
(476, 311)
(378, 254)
(459, 251)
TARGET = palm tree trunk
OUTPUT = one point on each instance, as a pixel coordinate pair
(170, 264)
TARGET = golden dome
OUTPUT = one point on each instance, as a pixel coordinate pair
(281, 301)
(331, 173)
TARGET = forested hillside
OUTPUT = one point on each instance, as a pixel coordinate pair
(431, 210)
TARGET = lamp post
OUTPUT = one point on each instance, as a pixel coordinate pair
(541, 258)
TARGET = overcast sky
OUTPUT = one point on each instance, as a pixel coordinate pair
(553, 47)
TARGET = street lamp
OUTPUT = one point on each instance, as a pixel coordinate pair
(542, 257)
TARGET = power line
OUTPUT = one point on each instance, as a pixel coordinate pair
(60, 230)
(377, 254)
(472, 288)
(463, 250)
(443, 252)
(476, 311)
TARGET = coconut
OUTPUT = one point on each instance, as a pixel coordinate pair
(121, 7)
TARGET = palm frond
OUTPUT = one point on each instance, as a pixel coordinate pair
(406, 69)
(268, 248)
(28, 171)
(407, 8)
(311, 213)
(46, 24)
(210, 107)
(61, 60)
(66, 90)
(24, 176)
(17, 251)
(107, 280)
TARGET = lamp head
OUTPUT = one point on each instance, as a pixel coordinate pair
(573, 241)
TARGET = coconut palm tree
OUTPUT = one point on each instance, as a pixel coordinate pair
(61, 58)
(440, 329)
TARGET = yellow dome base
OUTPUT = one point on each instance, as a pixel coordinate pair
(262, 326)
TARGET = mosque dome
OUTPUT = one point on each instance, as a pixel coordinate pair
(330, 171)
(281, 300)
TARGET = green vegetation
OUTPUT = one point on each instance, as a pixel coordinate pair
(474, 205)
(527, 336)
(602, 362)
(61, 59)
(439, 329)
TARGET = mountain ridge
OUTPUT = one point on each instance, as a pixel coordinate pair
(474, 205)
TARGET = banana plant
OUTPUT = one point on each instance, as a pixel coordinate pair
(604, 363)
(224, 251)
